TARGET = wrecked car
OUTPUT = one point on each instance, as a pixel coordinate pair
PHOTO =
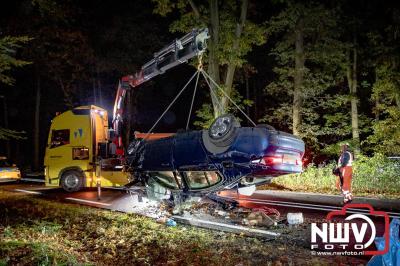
(194, 163)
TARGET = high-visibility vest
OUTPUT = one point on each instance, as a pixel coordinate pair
(350, 162)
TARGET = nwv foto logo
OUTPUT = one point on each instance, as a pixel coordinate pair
(355, 232)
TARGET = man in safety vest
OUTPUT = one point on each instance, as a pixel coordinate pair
(345, 173)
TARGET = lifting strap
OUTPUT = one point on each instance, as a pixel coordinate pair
(227, 96)
(207, 78)
(194, 95)
(170, 105)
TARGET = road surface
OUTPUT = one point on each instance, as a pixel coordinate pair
(311, 205)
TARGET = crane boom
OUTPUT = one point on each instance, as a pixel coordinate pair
(178, 52)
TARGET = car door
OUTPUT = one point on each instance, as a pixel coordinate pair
(188, 152)
(158, 155)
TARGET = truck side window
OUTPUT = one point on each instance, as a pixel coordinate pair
(59, 138)
(81, 153)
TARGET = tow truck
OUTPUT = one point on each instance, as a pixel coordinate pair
(81, 150)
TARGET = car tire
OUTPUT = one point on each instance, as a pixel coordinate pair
(72, 181)
(222, 131)
(221, 143)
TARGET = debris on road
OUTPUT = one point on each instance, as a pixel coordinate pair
(262, 216)
(295, 218)
(225, 227)
(170, 222)
(143, 206)
(214, 212)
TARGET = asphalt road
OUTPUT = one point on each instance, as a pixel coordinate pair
(310, 204)
(112, 199)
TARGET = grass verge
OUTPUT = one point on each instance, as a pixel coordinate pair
(35, 231)
(372, 177)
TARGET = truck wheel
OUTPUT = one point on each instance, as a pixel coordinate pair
(72, 180)
(222, 131)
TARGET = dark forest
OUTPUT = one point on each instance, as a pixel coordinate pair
(327, 71)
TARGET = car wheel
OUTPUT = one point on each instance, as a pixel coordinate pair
(222, 131)
(72, 180)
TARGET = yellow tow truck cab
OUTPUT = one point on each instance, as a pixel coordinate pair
(72, 153)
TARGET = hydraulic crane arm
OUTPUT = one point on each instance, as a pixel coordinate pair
(178, 52)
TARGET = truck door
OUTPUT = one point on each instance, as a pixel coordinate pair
(57, 150)
(68, 145)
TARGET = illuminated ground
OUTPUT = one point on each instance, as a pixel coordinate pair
(44, 231)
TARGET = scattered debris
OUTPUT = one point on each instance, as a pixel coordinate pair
(210, 211)
(144, 206)
(259, 218)
(247, 191)
(238, 229)
(214, 212)
(161, 220)
(222, 213)
(295, 218)
(170, 222)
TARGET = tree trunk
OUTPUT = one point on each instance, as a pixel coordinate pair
(5, 118)
(36, 127)
(376, 111)
(235, 47)
(247, 92)
(67, 96)
(298, 77)
(397, 98)
(213, 62)
(352, 82)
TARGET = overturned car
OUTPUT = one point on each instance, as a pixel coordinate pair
(195, 163)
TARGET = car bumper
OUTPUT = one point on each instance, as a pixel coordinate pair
(5, 180)
(10, 176)
(276, 170)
